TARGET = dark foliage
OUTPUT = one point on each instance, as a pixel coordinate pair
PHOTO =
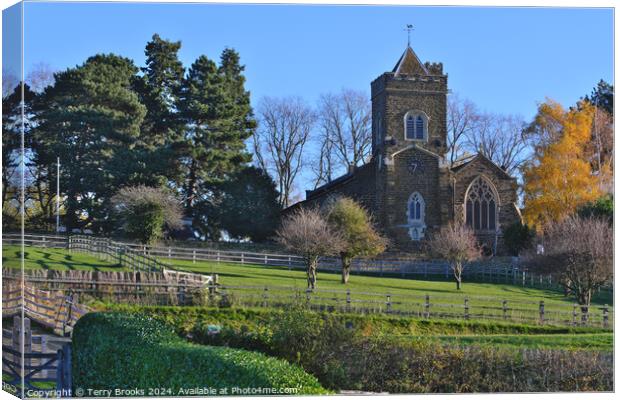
(121, 351)
(518, 237)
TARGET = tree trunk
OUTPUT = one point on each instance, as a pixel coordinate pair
(346, 268)
(457, 275)
(312, 264)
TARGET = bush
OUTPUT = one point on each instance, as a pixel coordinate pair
(518, 237)
(603, 208)
(127, 351)
(361, 352)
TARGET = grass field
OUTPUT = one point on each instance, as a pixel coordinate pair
(53, 259)
(406, 294)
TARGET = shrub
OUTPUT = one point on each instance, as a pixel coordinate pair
(518, 237)
(127, 351)
(144, 211)
(361, 352)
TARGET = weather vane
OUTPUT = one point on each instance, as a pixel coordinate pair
(409, 28)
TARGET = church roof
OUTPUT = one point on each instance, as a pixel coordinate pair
(466, 161)
(409, 64)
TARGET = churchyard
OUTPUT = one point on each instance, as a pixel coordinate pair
(170, 251)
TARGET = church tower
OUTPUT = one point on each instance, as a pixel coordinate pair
(409, 106)
(409, 142)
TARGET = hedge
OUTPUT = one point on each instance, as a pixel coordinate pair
(136, 353)
(347, 352)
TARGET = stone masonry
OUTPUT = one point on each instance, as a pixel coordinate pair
(407, 185)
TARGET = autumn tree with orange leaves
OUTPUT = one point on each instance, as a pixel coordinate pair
(559, 178)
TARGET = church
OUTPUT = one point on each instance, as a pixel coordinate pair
(407, 185)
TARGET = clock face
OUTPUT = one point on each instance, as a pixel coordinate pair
(415, 166)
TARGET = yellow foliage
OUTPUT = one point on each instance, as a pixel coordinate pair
(559, 179)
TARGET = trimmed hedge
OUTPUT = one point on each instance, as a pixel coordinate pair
(138, 353)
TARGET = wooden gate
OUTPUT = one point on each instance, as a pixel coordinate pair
(38, 362)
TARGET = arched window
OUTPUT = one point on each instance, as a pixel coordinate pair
(415, 216)
(416, 125)
(481, 205)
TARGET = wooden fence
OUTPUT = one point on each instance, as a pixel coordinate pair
(141, 257)
(34, 362)
(167, 287)
(54, 309)
(422, 306)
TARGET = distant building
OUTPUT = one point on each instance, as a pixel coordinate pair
(407, 185)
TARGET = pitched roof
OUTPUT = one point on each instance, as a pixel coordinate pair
(467, 161)
(409, 64)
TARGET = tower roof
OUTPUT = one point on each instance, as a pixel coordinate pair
(409, 64)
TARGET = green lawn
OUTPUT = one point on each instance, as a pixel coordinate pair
(582, 341)
(406, 294)
(485, 299)
(53, 259)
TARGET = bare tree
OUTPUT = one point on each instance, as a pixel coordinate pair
(325, 165)
(462, 118)
(501, 139)
(306, 232)
(579, 252)
(457, 244)
(284, 130)
(346, 136)
(601, 148)
(41, 75)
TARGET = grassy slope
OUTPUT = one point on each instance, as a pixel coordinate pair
(258, 275)
(54, 259)
(410, 290)
(484, 333)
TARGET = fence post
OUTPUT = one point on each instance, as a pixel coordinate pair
(265, 296)
(169, 253)
(388, 304)
(427, 306)
(242, 259)
(542, 312)
(574, 314)
(265, 259)
(348, 300)
(523, 280)
(194, 256)
(606, 316)
(59, 371)
(466, 308)
(505, 308)
(584, 315)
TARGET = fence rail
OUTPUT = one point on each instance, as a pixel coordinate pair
(423, 306)
(36, 363)
(142, 257)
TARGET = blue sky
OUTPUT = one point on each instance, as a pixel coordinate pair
(505, 60)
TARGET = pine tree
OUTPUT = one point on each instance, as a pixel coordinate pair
(218, 117)
(91, 119)
(161, 133)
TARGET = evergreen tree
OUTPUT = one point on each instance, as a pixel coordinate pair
(91, 119)
(602, 96)
(248, 206)
(161, 132)
(218, 117)
(11, 147)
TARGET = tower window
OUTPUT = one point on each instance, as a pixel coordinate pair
(481, 205)
(416, 125)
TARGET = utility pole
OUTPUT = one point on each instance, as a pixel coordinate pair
(58, 195)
